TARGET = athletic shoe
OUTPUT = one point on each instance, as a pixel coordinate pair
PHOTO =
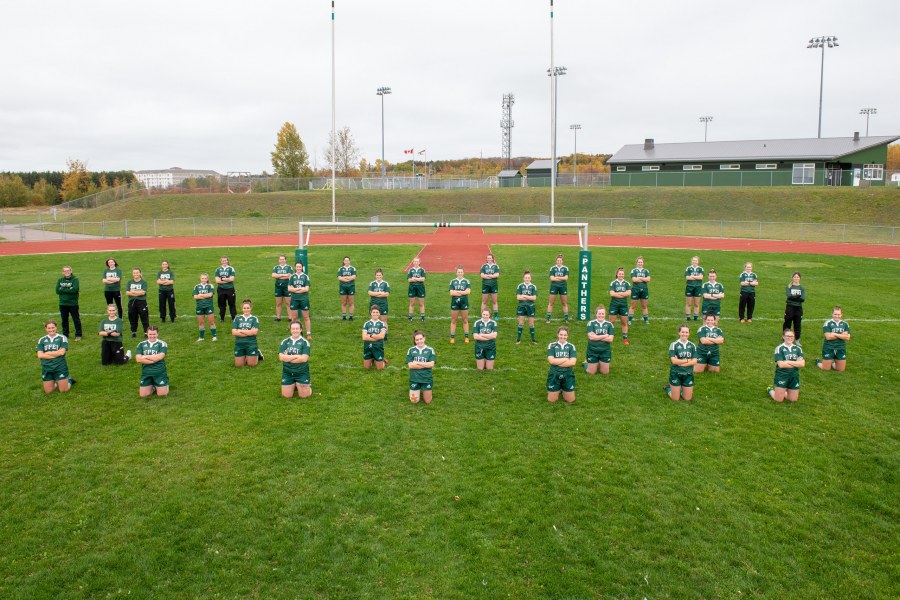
(409, 319)
(646, 321)
(215, 339)
(72, 381)
(308, 335)
(77, 338)
(533, 342)
(518, 342)
(260, 354)
(128, 355)
(343, 317)
(584, 366)
(423, 318)
(818, 361)
(452, 340)
(742, 320)
(133, 334)
(277, 319)
(749, 320)
(350, 318)
(199, 339)
(769, 390)
(626, 342)
(548, 321)
(666, 389)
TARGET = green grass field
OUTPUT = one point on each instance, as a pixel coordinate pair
(224, 489)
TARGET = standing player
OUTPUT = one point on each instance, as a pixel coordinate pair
(562, 357)
(225, 289)
(51, 350)
(559, 286)
(373, 333)
(420, 359)
(793, 308)
(710, 337)
(245, 328)
(459, 303)
(640, 277)
(620, 291)
(112, 284)
(203, 294)
(294, 356)
(683, 357)
(415, 276)
(713, 292)
(298, 286)
(151, 355)
(347, 288)
(749, 281)
(788, 362)
(379, 290)
(834, 349)
(281, 273)
(485, 333)
(111, 328)
(601, 334)
(693, 277)
(490, 284)
(165, 279)
(136, 292)
(67, 290)
(526, 294)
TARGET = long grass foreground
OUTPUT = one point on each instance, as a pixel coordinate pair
(224, 489)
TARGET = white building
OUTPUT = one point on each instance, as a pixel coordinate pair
(166, 178)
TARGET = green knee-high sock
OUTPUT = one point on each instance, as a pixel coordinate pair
(202, 333)
(531, 331)
(519, 333)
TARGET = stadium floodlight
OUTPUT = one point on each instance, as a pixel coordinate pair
(575, 129)
(382, 91)
(554, 74)
(705, 121)
(867, 112)
(821, 42)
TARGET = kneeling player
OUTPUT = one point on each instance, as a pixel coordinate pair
(561, 377)
(600, 334)
(51, 350)
(151, 355)
(834, 349)
(373, 333)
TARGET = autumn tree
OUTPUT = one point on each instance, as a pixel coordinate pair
(77, 181)
(14, 192)
(290, 158)
(893, 157)
(346, 156)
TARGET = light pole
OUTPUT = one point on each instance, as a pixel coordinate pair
(705, 121)
(575, 129)
(382, 91)
(821, 42)
(867, 112)
(554, 73)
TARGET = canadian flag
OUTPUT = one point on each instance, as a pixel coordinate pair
(410, 151)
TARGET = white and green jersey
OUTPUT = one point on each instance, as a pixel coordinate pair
(374, 328)
(692, 271)
(52, 344)
(243, 323)
(424, 354)
(166, 276)
(299, 280)
(204, 288)
(712, 288)
(349, 271)
(685, 351)
(295, 347)
(746, 278)
(112, 326)
(618, 286)
(485, 326)
(526, 289)
(459, 285)
(112, 274)
(148, 348)
(598, 327)
(415, 272)
(636, 272)
(224, 272)
(490, 269)
(787, 352)
(559, 271)
(832, 326)
(712, 333)
(136, 286)
(281, 270)
(557, 350)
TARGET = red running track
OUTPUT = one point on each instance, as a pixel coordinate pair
(471, 237)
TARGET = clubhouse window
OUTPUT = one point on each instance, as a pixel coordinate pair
(729, 167)
(804, 174)
(692, 167)
(766, 166)
(873, 172)
(650, 168)
(621, 168)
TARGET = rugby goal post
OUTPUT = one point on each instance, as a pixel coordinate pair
(584, 256)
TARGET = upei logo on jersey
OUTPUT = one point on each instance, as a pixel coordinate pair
(135, 286)
(584, 285)
(108, 327)
(796, 293)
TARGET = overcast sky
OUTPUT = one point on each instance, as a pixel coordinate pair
(202, 84)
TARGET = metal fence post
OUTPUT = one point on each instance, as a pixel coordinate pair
(759, 236)
(801, 231)
(194, 222)
(721, 229)
(231, 222)
(126, 227)
(646, 226)
(154, 227)
(844, 233)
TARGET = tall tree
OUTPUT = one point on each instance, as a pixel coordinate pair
(290, 159)
(77, 182)
(346, 157)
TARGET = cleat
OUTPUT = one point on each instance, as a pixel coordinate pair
(215, 339)
(133, 334)
(466, 340)
(548, 321)
(72, 381)
(423, 318)
(350, 318)
(518, 342)
(818, 361)
(77, 338)
(742, 320)
(277, 319)
(343, 317)
(534, 342)
(308, 335)
(128, 355)
(199, 339)
(452, 341)
(261, 357)
(769, 390)
(749, 320)
(666, 389)
(626, 342)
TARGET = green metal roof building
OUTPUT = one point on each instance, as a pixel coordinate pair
(854, 161)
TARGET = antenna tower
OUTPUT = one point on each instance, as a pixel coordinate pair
(506, 124)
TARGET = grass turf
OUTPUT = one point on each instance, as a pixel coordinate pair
(224, 488)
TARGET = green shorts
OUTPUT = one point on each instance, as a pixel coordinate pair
(640, 293)
(373, 351)
(619, 306)
(383, 307)
(525, 310)
(489, 286)
(677, 379)
(708, 307)
(300, 303)
(416, 290)
(834, 353)
(603, 355)
(790, 381)
(246, 350)
(485, 353)
(564, 381)
(415, 386)
(347, 289)
(459, 303)
(54, 375)
(281, 291)
(205, 310)
(559, 288)
(710, 358)
(288, 378)
(691, 291)
(155, 380)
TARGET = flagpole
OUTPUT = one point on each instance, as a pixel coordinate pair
(333, 146)
(552, 125)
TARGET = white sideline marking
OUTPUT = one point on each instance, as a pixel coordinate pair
(395, 368)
